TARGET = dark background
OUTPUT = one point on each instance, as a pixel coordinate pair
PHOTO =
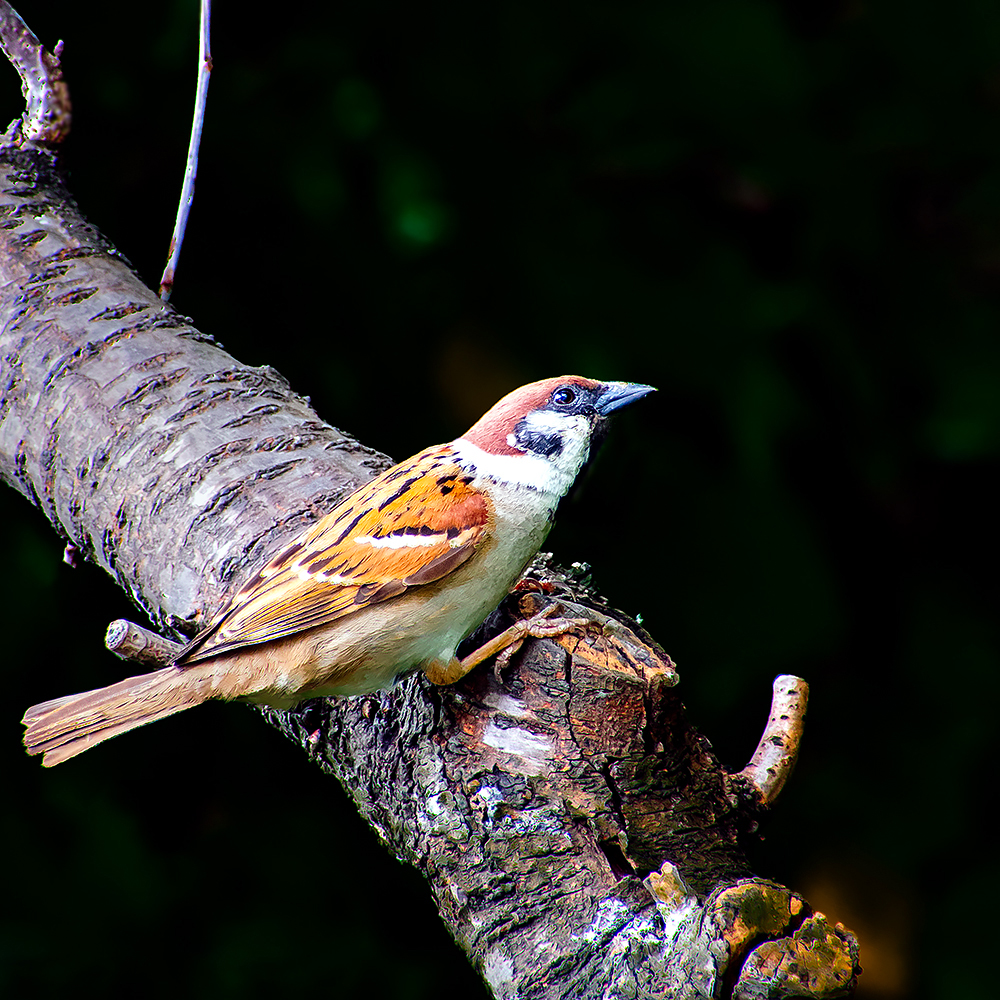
(785, 215)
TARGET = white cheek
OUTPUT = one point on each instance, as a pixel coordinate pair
(547, 421)
(530, 471)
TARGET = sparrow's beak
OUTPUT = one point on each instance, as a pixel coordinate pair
(619, 394)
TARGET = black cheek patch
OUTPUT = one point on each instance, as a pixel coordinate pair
(540, 442)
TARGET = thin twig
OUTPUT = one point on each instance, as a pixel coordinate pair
(133, 642)
(191, 170)
(775, 756)
(47, 117)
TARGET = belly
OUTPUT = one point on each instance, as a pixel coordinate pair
(367, 650)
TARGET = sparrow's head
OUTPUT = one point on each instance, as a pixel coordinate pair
(540, 436)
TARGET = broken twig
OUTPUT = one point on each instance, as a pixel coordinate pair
(778, 749)
(46, 119)
(133, 642)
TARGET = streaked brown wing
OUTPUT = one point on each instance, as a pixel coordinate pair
(411, 525)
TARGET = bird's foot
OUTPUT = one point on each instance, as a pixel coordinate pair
(539, 626)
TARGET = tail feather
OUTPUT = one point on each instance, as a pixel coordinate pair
(64, 727)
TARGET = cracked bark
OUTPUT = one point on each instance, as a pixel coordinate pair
(578, 835)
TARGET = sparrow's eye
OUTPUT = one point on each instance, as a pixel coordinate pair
(563, 396)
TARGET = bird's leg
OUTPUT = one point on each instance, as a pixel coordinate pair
(537, 626)
(503, 658)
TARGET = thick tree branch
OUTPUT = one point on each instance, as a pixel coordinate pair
(102, 380)
(579, 836)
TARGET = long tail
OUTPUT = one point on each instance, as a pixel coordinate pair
(66, 726)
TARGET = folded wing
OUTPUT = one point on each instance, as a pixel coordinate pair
(412, 525)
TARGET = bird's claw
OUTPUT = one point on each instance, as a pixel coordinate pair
(542, 625)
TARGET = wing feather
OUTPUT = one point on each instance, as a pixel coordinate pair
(412, 525)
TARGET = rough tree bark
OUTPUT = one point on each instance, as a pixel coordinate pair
(578, 835)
